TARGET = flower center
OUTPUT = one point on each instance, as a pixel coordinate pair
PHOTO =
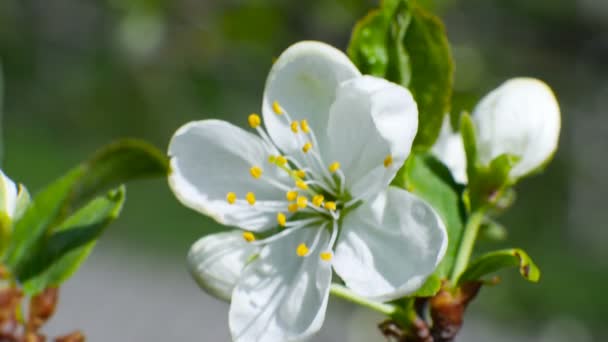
(317, 194)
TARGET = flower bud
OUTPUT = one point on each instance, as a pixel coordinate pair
(522, 118)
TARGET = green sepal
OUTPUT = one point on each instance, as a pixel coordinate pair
(62, 252)
(404, 43)
(498, 260)
(488, 184)
(110, 167)
(427, 178)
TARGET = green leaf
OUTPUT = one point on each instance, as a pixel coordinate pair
(117, 163)
(67, 248)
(428, 178)
(430, 287)
(406, 44)
(432, 73)
(498, 260)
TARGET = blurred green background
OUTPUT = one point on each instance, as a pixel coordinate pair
(81, 73)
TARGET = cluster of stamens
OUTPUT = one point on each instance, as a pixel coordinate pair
(316, 191)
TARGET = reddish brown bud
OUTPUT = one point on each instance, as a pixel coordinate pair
(9, 300)
(42, 308)
(447, 310)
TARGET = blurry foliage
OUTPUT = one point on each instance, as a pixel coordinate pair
(78, 73)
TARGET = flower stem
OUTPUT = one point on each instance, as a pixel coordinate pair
(466, 244)
(344, 293)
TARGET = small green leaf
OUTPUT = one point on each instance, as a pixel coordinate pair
(430, 287)
(425, 176)
(66, 249)
(118, 163)
(406, 44)
(498, 260)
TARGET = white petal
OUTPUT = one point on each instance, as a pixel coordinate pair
(281, 296)
(370, 120)
(211, 158)
(8, 195)
(520, 117)
(387, 248)
(217, 260)
(303, 81)
(449, 148)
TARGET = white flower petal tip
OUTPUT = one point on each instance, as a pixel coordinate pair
(303, 83)
(520, 117)
(390, 245)
(8, 195)
(449, 149)
(283, 294)
(217, 260)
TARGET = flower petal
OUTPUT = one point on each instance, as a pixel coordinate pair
(388, 247)
(217, 260)
(282, 296)
(371, 120)
(303, 81)
(8, 195)
(211, 158)
(521, 117)
(449, 148)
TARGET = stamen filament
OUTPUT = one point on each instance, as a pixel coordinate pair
(334, 235)
(293, 226)
(276, 184)
(322, 186)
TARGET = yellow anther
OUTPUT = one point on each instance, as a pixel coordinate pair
(280, 160)
(276, 107)
(292, 207)
(333, 167)
(254, 120)
(291, 195)
(300, 184)
(301, 173)
(302, 202)
(302, 250)
(256, 172)
(272, 159)
(281, 219)
(330, 205)
(294, 127)
(231, 197)
(306, 147)
(317, 200)
(248, 236)
(325, 256)
(304, 126)
(250, 197)
(388, 161)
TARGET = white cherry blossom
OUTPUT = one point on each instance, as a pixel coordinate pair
(309, 194)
